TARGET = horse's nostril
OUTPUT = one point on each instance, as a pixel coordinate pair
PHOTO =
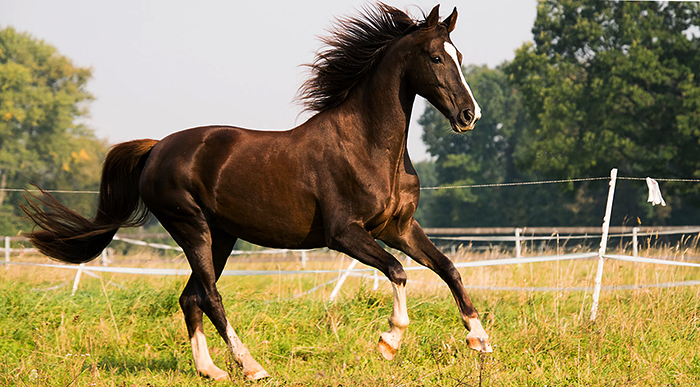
(466, 117)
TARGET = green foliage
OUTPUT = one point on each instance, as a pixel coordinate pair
(604, 85)
(612, 84)
(42, 97)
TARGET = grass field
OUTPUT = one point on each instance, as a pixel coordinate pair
(127, 330)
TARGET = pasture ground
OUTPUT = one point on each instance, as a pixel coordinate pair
(128, 330)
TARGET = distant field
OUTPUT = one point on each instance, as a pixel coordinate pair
(127, 330)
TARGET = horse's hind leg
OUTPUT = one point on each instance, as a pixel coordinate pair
(195, 329)
(221, 247)
(207, 254)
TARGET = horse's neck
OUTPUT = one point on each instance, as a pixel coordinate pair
(381, 113)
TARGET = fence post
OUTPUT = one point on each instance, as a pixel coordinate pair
(635, 246)
(518, 247)
(342, 279)
(76, 281)
(376, 280)
(7, 252)
(603, 244)
(304, 258)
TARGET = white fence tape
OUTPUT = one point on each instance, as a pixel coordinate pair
(178, 248)
(156, 271)
(482, 263)
(563, 237)
(514, 261)
(543, 288)
(651, 260)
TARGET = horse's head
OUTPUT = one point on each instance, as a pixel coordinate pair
(435, 72)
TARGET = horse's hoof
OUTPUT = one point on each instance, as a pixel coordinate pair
(221, 378)
(216, 374)
(386, 349)
(481, 344)
(255, 375)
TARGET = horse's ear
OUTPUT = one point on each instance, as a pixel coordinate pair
(434, 17)
(451, 21)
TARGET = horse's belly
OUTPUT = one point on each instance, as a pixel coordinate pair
(274, 225)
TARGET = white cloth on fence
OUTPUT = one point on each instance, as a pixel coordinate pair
(654, 192)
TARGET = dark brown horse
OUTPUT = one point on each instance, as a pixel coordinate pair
(343, 179)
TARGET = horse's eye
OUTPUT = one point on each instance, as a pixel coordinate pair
(436, 59)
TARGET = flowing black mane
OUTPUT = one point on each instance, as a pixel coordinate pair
(354, 46)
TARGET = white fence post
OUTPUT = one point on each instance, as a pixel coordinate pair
(342, 279)
(76, 281)
(518, 247)
(304, 258)
(376, 280)
(7, 252)
(635, 243)
(603, 244)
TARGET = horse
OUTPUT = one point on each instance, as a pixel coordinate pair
(343, 179)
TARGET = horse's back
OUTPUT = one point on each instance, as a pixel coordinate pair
(249, 183)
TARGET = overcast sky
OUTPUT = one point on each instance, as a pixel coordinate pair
(162, 66)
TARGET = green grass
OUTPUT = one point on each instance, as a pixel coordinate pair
(135, 335)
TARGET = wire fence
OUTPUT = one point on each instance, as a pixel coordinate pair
(489, 185)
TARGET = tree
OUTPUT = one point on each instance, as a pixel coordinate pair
(42, 97)
(614, 84)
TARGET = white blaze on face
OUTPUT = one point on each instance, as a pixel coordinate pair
(452, 52)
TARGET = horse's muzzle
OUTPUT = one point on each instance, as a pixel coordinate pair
(464, 121)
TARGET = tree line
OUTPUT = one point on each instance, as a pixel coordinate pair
(602, 85)
(43, 96)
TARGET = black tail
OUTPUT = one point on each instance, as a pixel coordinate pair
(68, 236)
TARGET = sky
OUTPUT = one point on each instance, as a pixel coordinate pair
(163, 66)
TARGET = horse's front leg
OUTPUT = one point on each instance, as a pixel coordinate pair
(413, 241)
(356, 242)
(390, 341)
